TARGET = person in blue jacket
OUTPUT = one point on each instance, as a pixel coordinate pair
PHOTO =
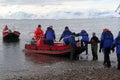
(84, 40)
(65, 35)
(72, 46)
(50, 36)
(116, 43)
(105, 46)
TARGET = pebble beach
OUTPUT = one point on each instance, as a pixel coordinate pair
(70, 70)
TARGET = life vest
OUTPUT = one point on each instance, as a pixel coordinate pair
(40, 42)
(38, 33)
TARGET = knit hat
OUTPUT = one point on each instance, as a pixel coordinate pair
(105, 30)
(39, 25)
(83, 31)
(51, 26)
(66, 27)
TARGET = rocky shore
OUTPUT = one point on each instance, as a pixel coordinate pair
(68, 70)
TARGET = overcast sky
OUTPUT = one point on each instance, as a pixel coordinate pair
(57, 9)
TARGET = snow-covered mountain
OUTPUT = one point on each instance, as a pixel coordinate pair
(63, 15)
(20, 15)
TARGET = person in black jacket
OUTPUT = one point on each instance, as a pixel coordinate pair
(94, 46)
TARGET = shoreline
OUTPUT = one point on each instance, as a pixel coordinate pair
(69, 70)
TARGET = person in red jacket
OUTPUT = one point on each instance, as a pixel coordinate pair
(38, 33)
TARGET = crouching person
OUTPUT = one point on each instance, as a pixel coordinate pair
(84, 40)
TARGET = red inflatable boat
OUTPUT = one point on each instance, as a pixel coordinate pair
(58, 48)
(9, 36)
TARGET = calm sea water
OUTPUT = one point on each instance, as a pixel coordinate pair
(13, 59)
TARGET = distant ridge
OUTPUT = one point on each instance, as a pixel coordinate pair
(118, 9)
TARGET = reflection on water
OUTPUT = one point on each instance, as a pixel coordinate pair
(45, 59)
(13, 59)
(11, 56)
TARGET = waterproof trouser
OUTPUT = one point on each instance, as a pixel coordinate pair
(107, 61)
(50, 42)
(94, 52)
(72, 52)
(66, 43)
(118, 59)
(83, 43)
